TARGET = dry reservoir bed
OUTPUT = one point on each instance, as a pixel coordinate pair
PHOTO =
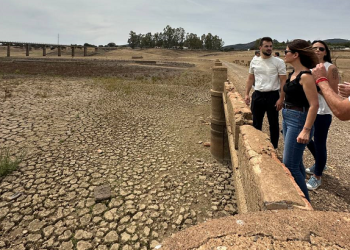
(142, 134)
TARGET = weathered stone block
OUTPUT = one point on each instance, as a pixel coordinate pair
(219, 77)
(239, 114)
(102, 193)
(267, 184)
(228, 87)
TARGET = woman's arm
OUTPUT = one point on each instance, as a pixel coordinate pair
(308, 83)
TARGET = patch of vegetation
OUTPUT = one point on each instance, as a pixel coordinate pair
(8, 163)
(112, 84)
(74, 241)
(155, 85)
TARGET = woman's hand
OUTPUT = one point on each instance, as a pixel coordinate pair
(304, 136)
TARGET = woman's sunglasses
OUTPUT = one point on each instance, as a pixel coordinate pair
(319, 48)
(286, 52)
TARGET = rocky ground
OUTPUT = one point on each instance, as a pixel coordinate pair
(141, 136)
(139, 129)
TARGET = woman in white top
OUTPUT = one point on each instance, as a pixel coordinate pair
(323, 120)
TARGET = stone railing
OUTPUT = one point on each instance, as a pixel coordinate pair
(261, 181)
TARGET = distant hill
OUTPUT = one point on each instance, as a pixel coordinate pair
(246, 46)
(336, 41)
(239, 46)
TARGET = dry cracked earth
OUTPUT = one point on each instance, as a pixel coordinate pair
(140, 129)
(143, 136)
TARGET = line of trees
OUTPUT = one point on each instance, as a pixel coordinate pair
(175, 38)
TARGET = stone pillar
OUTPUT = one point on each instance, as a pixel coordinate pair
(73, 51)
(44, 50)
(218, 63)
(27, 49)
(96, 49)
(8, 50)
(85, 51)
(219, 147)
(59, 51)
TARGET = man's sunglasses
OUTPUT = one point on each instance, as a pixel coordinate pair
(319, 48)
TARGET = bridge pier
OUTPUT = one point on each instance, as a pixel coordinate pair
(27, 49)
(85, 51)
(8, 50)
(96, 49)
(59, 51)
(73, 51)
(44, 50)
(219, 147)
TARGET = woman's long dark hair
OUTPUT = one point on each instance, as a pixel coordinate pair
(307, 56)
(327, 57)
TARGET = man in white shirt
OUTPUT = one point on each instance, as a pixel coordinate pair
(256, 54)
(339, 106)
(269, 75)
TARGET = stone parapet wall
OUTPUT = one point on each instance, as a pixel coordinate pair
(283, 229)
(262, 182)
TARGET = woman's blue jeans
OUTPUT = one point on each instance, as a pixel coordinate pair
(318, 147)
(293, 123)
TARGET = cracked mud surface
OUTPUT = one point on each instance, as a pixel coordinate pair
(142, 136)
(139, 129)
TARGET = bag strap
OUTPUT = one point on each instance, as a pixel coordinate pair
(303, 72)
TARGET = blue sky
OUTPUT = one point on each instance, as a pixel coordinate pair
(235, 21)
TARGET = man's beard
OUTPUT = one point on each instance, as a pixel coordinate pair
(267, 53)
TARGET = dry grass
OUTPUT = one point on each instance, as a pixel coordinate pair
(8, 163)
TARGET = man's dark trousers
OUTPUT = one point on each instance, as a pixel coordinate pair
(265, 102)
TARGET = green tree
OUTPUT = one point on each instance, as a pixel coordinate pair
(179, 37)
(168, 36)
(158, 39)
(146, 40)
(134, 39)
(208, 43)
(111, 44)
(192, 41)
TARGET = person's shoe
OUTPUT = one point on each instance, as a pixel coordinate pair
(311, 170)
(313, 183)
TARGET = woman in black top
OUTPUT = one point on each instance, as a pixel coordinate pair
(300, 108)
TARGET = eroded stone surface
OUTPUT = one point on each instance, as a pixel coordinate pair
(102, 192)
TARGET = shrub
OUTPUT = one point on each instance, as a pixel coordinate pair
(8, 163)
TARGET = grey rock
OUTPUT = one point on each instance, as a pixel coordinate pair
(102, 193)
